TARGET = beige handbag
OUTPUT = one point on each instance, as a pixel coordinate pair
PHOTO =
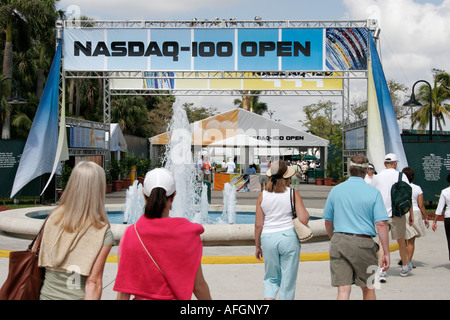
(304, 233)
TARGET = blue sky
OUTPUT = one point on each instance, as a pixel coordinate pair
(415, 34)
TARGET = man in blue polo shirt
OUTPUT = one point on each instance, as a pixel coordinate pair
(353, 214)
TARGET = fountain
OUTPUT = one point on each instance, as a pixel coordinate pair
(134, 203)
(191, 200)
(179, 161)
(229, 204)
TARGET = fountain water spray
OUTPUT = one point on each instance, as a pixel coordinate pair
(189, 202)
(134, 203)
(178, 160)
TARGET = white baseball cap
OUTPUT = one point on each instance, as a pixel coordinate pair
(390, 157)
(159, 178)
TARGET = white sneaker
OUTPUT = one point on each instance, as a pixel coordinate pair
(410, 266)
(404, 271)
(382, 276)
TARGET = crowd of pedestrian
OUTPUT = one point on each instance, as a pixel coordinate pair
(160, 258)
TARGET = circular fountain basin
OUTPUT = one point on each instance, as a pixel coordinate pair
(20, 223)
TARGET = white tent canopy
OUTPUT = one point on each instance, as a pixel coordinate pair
(239, 122)
(242, 129)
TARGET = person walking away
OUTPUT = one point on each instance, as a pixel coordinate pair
(370, 174)
(353, 212)
(297, 177)
(275, 236)
(77, 238)
(206, 168)
(444, 202)
(263, 167)
(160, 256)
(417, 229)
(231, 166)
(384, 181)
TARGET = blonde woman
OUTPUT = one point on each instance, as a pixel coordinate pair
(275, 236)
(77, 238)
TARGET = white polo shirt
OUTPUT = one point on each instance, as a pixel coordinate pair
(444, 200)
(384, 182)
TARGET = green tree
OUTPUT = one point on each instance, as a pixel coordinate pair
(130, 112)
(26, 15)
(320, 119)
(251, 102)
(159, 114)
(397, 92)
(320, 122)
(198, 113)
(439, 93)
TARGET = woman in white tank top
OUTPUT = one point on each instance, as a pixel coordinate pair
(275, 235)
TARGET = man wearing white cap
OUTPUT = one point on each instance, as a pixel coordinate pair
(384, 182)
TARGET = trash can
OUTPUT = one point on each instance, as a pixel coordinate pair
(318, 174)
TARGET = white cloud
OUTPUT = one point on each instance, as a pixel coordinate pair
(141, 9)
(414, 37)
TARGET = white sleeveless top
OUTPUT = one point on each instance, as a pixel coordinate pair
(277, 211)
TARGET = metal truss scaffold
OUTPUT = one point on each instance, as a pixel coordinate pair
(218, 23)
(109, 76)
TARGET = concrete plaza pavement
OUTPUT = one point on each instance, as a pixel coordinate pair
(244, 281)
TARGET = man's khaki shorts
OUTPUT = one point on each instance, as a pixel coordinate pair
(353, 260)
(398, 227)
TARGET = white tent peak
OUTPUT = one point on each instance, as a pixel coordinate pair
(239, 123)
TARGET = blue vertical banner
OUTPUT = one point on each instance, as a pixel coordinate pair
(40, 149)
(382, 121)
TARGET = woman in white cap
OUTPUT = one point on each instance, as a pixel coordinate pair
(275, 236)
(160, 257)
(370, 174)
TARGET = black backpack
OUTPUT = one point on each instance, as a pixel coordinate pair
(401, 197)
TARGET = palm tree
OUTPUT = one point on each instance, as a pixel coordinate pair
(12, 13)
(251, 102)
(439, 94)
(44, 33)
(130, 112)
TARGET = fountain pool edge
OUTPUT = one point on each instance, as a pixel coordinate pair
(19, 222)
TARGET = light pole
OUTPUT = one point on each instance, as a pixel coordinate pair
(412, 102)
(16, 99)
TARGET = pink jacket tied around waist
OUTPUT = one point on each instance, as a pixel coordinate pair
(176, 247)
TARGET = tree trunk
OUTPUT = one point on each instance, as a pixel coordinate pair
(246, 102)
(40, 74)
(7, 72)
(39, 84)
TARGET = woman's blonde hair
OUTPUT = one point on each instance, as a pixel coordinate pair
(276, 183)
(83, 200)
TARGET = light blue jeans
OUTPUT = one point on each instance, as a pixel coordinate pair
(281, 252)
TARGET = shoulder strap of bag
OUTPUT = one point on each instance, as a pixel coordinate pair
(400, 176)
(292, 196)
(148, 252)
(36, 243)
(152, 258)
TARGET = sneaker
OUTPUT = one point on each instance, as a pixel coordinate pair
(382, 276)
(404, 271)
(410, 266)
